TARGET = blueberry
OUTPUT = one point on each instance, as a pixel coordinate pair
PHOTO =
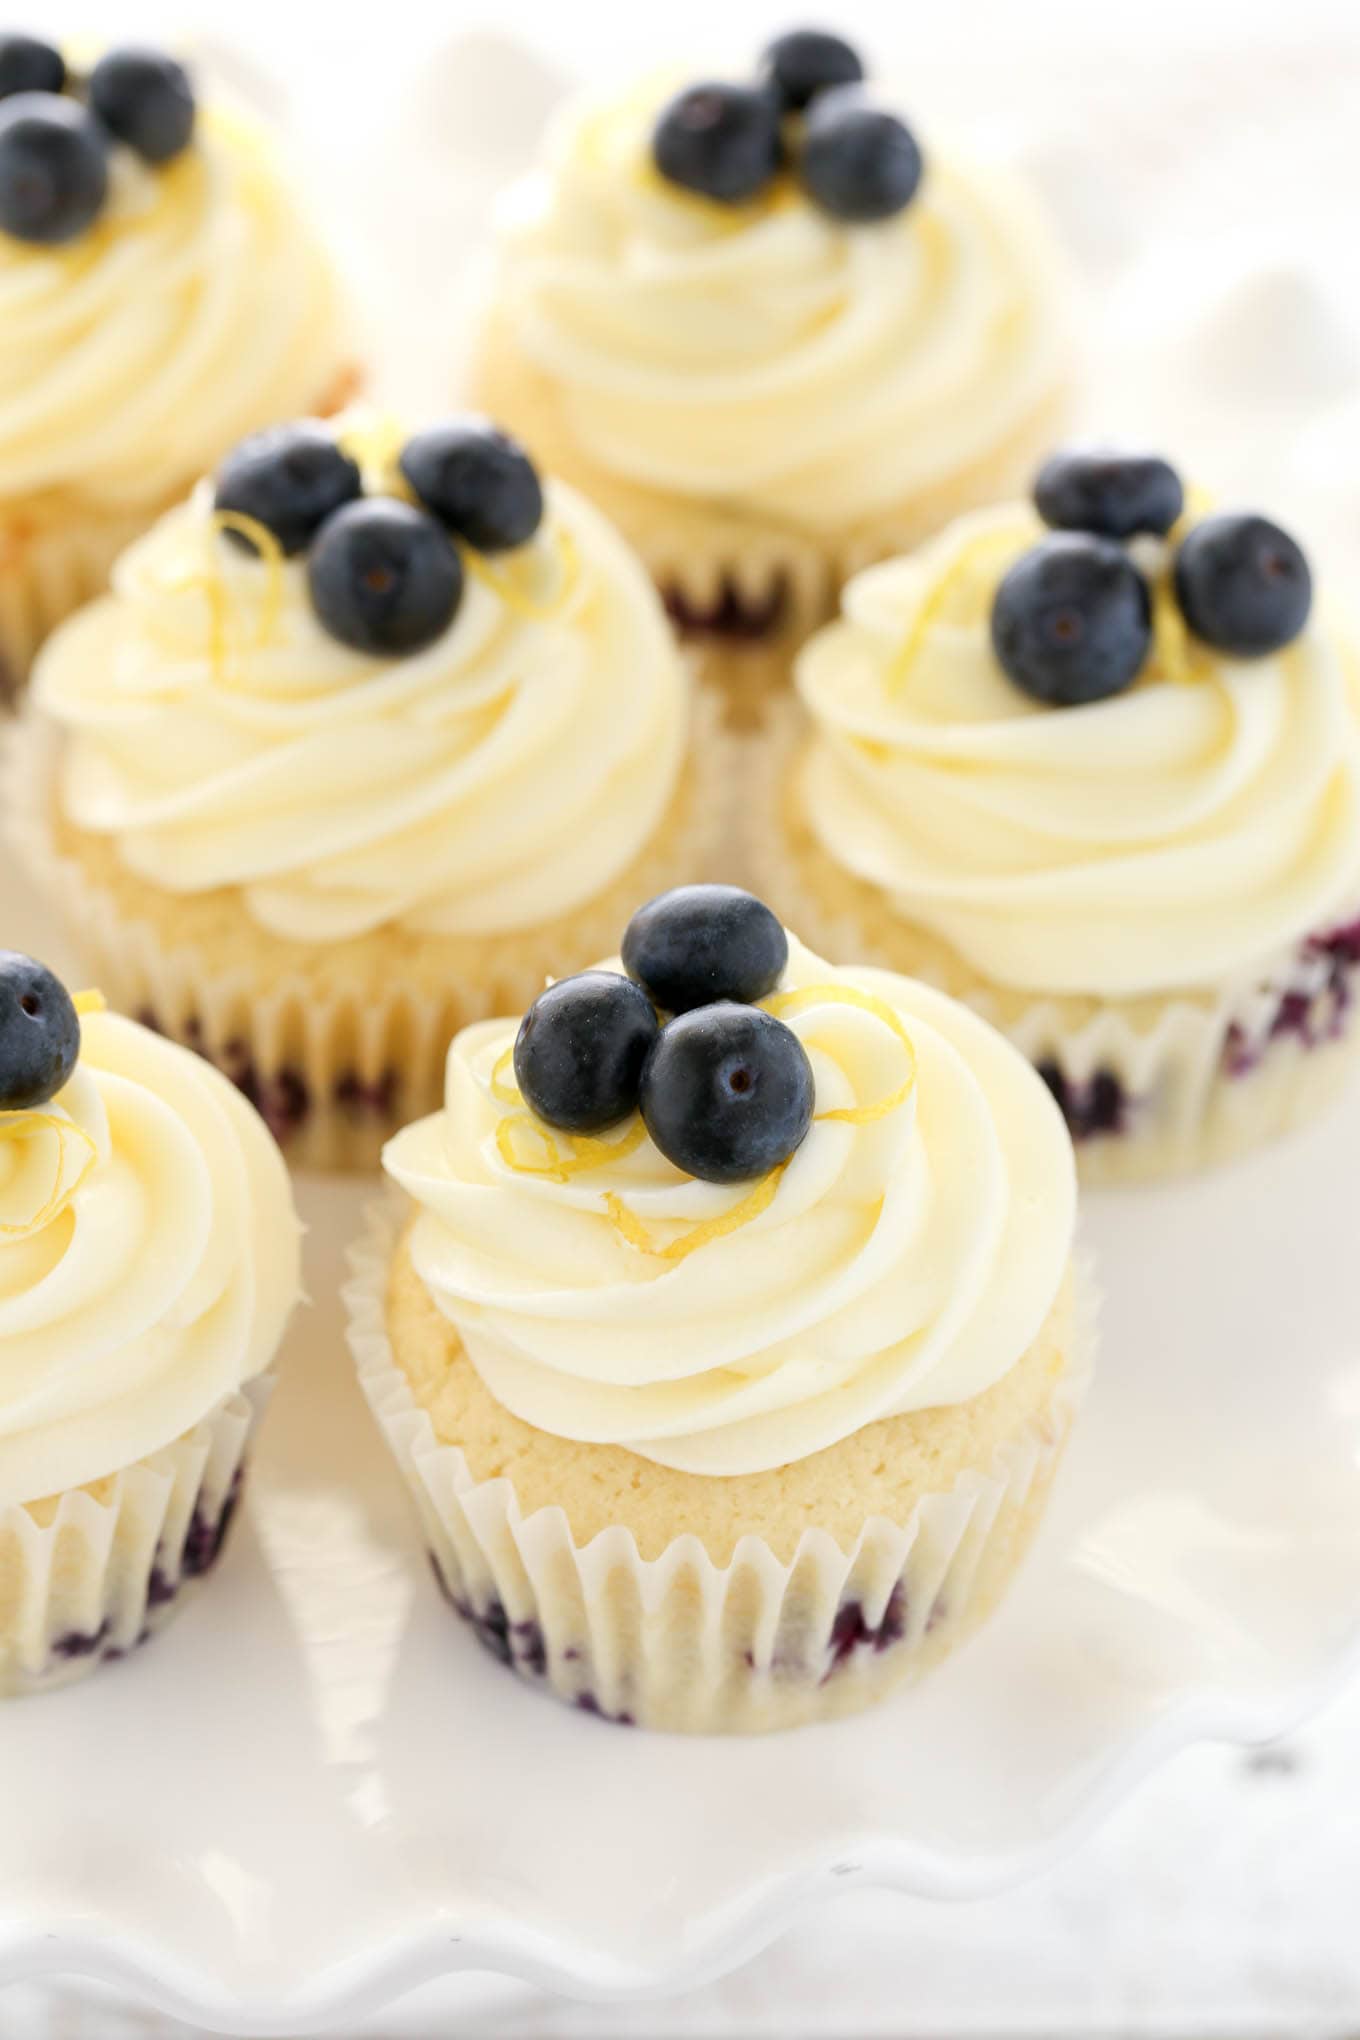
(290, 479)
(1243, 585)
(721, 140)
(1072, 620)
(727, 1092)
(1107, 490)
(858, 162)
(27, 65)
(700, 943)
(580, 1050)
(54, 171)
(39, 1033)
(477, 481)
(145, 98)
(806, 61)
(384, 577)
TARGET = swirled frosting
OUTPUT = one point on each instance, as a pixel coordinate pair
(768, 356)
(502, 776)
(1161, 840)
(149, 1258)
(906, 1258)
(200, 306)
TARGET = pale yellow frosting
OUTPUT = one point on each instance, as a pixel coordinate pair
(201, 304)
(502, 776)
(767, 356)
(1170, 837)
(149, 1259)
(904, 1258)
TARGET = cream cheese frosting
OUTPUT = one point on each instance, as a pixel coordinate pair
(1164, 839)
(904, 1258)
(149, 1259)
(768, 356)
(200, 305)
(502, 776)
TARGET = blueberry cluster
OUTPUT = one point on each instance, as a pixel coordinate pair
(1072, 621)
(725, 1089)
(384, 575)
(39, 1033)
(807, 105)
(56, 130)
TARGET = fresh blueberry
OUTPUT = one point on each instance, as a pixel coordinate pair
(54, 171)
(289, 478)
(39, 1033)
(721, 140)
(28, 65)
(858, 162)
(727, 1092)
(700, 943)
(1243, 585)
(1072, 620)
(1109, 491)
(384, 577)
(145, 98)
(477, 481)
(806, 61)
(580, 1050)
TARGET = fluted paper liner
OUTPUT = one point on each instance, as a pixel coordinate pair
(677, 1642)
(1202, 1075)
(88, 1575)
(336, 1063)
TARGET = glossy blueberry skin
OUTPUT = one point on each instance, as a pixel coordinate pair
(1243, 584)
(146, 99)
(699, 943)
(727, 1092)
(384, 577)
(29, 65)
(1072, 620)
(39, 1033)
(797, 66)
(858, 163)
(54, 170)
(1110, 491)
(719, 140)
(478, 481)
(290, 478)
(580, 1050)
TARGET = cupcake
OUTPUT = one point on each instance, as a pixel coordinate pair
(149, 1260)
(728, 1356)
(771, 339)
(370, 737)
(1093, 765)
(161, 293)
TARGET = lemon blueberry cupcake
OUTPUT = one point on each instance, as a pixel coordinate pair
(770, 337)
(162, 292)
(371, 736)
(727, 1336)
(149, 1260)
(1093, 764)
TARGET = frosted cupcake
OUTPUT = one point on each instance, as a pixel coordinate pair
(1104, 783)
(149, 1259)
(333, 772)
(728, 1359)
(771, 339)
(161, 293)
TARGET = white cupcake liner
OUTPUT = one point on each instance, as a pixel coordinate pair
(335, 1065)
(1203, 1076)
(88, 1575)
(48, 569)
(677, 1642)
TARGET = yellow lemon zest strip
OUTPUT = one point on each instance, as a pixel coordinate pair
(849, 995)
(928, 613)
(375, 440)
(508, 585)
(576, 1153)
(507, 1094)
(635, 1232)
(90, 1002)
(271, 553)
(20, 1126)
